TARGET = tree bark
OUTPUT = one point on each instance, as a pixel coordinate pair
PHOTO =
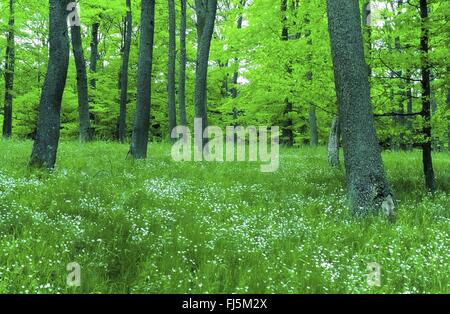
(9, 74)
(171, 68)
(234, 80)
(94, 53)
(368, 189)
(333, 143)
(48, 128)
(312, 110)
(313, 125)
(82, 84)
(448, 118)
(206, 16)
(287, 131)
(183, 60)
(139, 139)
(427, 158)
(124, 73)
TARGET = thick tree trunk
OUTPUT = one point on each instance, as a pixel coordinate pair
(124, 73)
(183, 60)
(368, 189)
(9, 74)
(426, 100)
(48, 128)
(206, 16)
(171, 68)
(333, 143)
(139, 139)
(94, 53)
(82, 84)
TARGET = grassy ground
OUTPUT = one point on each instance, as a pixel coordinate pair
(167, 227)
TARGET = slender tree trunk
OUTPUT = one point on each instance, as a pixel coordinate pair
(124, 73)
(333, 143)
(183, 58)
(9, 74)
(448, 108)
(171, 93)
(139, 139)
(312, 109)
(48, 128)
(288, 127)
(313, 125)
(368, 189)
(82, 84)
(206, 16)
(426, 100)
(234, 80)
(94, 54)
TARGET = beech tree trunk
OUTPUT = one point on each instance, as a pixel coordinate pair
(333, 143)
(182, 74)
(448, 107)
(124, 73)
(48, 128)
(206, 16)
(234, 79)
(287, 131)
(139, 139)
(171, 68)
(368, 189)
(82, 84)
(427, 158)
(9, 74)
(94, 53)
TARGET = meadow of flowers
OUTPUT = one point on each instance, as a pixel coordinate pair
(184, 227)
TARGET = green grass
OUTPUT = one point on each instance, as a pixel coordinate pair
(166, 227)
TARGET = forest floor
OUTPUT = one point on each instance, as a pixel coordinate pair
(177, 227)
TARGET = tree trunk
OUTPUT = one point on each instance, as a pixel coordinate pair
(368, 189)
(183, 58)
(48, 128)
(82, 84)
(171, 68)
(426, 100)
(234, 80)
(124, 73)
(287, 131)
(333, 143)
(206, 16)
(448, 118)
(9, 74)
(313, 126)
(94, 53)
(139, 139)
(312, 109)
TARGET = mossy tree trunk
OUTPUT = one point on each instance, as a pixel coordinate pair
(171, 93)
(183, 60)
(82, 84)
(368, 189)
(139, 139)
(48, 127)
(124, 73)
(9, 74)
(206, 16)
